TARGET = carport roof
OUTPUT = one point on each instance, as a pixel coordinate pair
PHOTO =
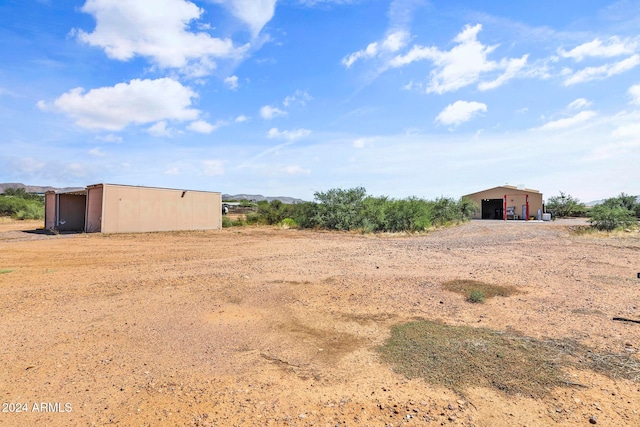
(73, 192)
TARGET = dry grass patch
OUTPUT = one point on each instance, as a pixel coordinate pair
(5, 271)
(460, 356)
(477, 291)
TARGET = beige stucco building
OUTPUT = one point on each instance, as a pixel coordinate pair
(112, 208)
(508, 202)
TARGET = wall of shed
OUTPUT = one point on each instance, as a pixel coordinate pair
(94, 209)
(515, 198)
(50, 211)
(141, 209)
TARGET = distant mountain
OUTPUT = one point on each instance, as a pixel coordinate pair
(599, 202)
(250, 197)
(35, 188)
(260, 197)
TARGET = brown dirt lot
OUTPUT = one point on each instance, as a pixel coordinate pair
(270, 327)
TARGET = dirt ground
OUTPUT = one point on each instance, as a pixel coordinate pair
(270, 327)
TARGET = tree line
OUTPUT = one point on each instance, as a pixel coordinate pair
(17, 203)
(353, 209)
(614, 212)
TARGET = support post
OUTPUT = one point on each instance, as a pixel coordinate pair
(504, 208)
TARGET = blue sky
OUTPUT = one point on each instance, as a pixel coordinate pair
(404, 97)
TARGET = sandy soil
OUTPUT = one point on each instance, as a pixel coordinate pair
(269, 327)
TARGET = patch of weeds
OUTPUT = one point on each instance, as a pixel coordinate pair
(288, 223)
(462, 356)
(477, 291)
(580, 230)
(5, 271)
(476, 296)
(588, 311)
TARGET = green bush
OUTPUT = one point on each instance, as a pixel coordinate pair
(288, 223)
(31, 211)
(625, 201)
(610, 215)
(340, 209)
(476, 296)
(15, 205)
(226, 222)
(306, 215)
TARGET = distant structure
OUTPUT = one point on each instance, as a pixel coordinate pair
(114, 208)
(508, 202)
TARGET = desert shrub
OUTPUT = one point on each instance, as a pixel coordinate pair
(252, 218)
(272, 213)
(288, 223)
(625, 201)
(340, 209)
(466, 208)
(306, 215)
(374, 213)
(30, 211)
(226, 222)
(565, 205)
(445, 211)
(31, 207)
(476, 296)
(609, 216)
(410, 214)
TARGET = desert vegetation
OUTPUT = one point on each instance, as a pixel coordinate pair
(18, 204)
(353, 209)
(616, 212)
(462, 356)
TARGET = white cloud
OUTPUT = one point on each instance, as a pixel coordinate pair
(158, 30)
(463, 65)
(110, 138)
(294, 170)
(392, 43)
(254, 13)
(569, 122)
(579, 104)
(634, 91)
(241, 118)
(136, 102)
(97, 152)
(268, 112)
(160, 130)
(289, 135)
(172, 171)
(628, 131)
(231, 82)
(299, 96)
(361, 142)
(213, 167)
(595, 48)
(201, 126)
(460, 112)
(512, 68)
(27, 164)
(604, 71)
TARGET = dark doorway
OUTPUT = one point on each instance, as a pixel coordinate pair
(492, 209)
(71, 209)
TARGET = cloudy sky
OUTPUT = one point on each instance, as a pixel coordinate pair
(287, 97)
